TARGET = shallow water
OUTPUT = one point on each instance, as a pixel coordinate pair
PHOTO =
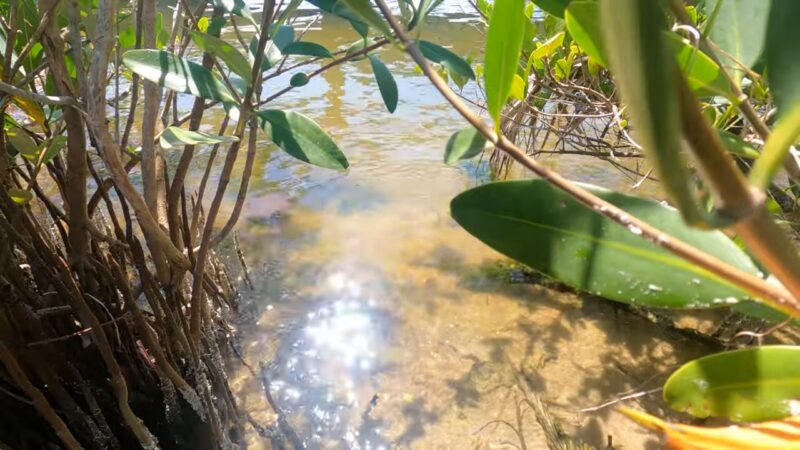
(381, 322)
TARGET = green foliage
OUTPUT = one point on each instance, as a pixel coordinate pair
(464, 144)
(536, 224)
(386, 83)
(22, 141)
(783, 54)
(302, 138)
(703, 75)
(306, 49)
(283, 36)
(739, 29)
(447, 59)
(746, 385)
(553, 7)
(581, 19)
(340, 8)
(20, 196)
(237, 8)
(503, 47)
(226, 52)
(363, 9)
(272, 54)
(178, 74)
(783, 68)
(176, 137)
(737, 146)
(52, 148)
(644, 69)
(359, 46)
(299, 79)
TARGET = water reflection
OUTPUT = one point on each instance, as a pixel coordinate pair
(377, 338)
(327, 382)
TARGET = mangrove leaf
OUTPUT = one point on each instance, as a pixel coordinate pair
(464, 144)
(739, 30)
(307, 49)
(446, 58)
(302, 138)
(582, 19)
(745, 385)
(503, 47)
(178, 74)
(539, 225)
(175, 137)
(386, 83)
(225, 51)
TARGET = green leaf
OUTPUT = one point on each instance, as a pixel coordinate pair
(746, 385)
(644, 69)
(446, 58)
(177, 74)
(307, 49)
(20, 196)
(739, 30)
(364, 10)
(225, 51)
(216, 26)
(517, 88)
(553, 7)
(419, 14)
(339, 8)
(702, 73)
(176, 137)
(288, 11)
(582, 19)
(299, 79)
(464, 144)
(737, 146)
(541, 226)
(55, 146)
(237, 8)
(162, 36)
(302, 138)
(272, 54)
(359, 46)
(386, 83)
(22, 142)
(783, 73)
(283, 37)
(127, 38)
(503, 47)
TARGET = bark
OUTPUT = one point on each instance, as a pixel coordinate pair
(152, 169)
(109, 150)
(77, 172)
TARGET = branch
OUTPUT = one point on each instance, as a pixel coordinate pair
(776, 296)
(38, 98)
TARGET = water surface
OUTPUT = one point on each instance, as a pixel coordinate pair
(381, 322)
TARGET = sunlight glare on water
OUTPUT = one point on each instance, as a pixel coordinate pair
(382, 324)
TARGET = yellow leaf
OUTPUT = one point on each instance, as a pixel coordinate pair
(517, 87)
(778, 434)
(547, 49)
(20, 196)
(32, 109)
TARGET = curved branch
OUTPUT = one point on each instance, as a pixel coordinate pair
(775, 296)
